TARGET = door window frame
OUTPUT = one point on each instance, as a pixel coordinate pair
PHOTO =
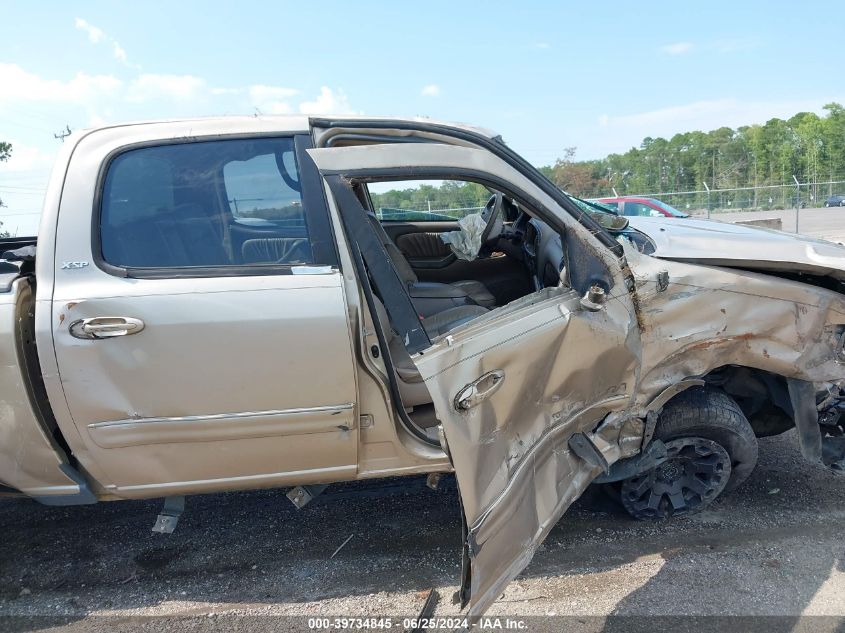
(314, 203)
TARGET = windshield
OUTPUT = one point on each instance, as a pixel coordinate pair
(670, 210)
(604, 214)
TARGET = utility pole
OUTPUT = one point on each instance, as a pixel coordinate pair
(797, 200)
(708, 198)
(63, 134)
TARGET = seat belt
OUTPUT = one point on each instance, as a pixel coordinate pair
(370, 252)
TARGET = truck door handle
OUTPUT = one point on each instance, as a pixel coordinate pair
(478, 390)
(105, 327)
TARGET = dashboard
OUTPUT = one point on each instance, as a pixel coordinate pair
(543, 254)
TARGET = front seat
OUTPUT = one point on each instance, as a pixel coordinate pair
(475, 290)
(411, 387)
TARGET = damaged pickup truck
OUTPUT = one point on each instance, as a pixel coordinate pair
(216, 305)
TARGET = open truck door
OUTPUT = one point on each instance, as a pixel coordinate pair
(532, 396)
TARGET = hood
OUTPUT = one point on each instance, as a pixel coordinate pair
(740, 246)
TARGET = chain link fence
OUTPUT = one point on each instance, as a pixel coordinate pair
(763, 198)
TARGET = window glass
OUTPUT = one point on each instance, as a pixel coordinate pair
(427, 200)
(640, 209)
(672, 211)
(219, 203)
(257, 191)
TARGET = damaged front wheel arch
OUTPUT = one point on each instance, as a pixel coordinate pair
(711, 440)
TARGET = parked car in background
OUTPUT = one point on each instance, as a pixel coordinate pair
(836, 200)
(648, 207)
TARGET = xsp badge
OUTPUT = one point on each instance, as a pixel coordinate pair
(73, 265)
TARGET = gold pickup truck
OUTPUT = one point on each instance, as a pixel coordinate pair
(217, 304)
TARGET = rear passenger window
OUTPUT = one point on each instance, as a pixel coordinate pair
(205, 204)
(257, 191)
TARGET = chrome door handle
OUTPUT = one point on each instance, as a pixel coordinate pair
(478, 390)
(105, 327)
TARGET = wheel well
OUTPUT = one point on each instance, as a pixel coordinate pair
(762, 396)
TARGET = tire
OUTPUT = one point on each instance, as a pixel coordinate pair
(712, 449)
(713, 415)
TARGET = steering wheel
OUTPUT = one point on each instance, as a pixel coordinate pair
(492, 215)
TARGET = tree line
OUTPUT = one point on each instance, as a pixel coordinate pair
(807, 145)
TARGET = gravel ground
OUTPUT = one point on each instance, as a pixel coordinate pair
(771, 548)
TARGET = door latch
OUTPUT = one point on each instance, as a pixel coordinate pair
(478, 390)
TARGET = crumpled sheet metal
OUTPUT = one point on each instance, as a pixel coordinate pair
(517, 474)
(709, 317)
(597, 373)
(466, 242)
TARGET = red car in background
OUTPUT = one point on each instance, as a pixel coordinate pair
(648, 207)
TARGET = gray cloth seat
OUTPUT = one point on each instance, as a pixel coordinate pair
(440, 323)
(408, 380)
(276, 250)
(475, 290)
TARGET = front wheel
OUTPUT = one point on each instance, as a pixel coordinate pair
(711, 448)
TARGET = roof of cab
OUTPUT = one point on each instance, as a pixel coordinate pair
(244, 124)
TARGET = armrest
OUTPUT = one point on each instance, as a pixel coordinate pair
(433, 290)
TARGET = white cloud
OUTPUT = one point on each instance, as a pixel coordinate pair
(431, 90)
(328, 102)
(107, 97)
(25, 158)
(94, 34)
(542, 45)
(119, 53)
(20, 85)
(150, 87)
(677, 48)
(97, 35)
(271, 99)
(261, 92)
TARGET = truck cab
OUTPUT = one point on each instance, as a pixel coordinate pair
(217, 304)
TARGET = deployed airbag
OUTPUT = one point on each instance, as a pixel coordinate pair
(466, 243)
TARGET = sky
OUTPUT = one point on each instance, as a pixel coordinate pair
(599, 76)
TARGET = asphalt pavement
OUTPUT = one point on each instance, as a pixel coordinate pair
(825, 223)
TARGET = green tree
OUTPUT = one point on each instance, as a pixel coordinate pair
(808, 145)
(5, 152)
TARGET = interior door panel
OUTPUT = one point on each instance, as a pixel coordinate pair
(420, 243)
(427, 245)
